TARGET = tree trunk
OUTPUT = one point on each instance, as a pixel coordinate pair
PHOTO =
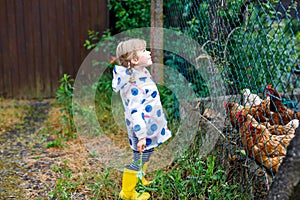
(157, 40)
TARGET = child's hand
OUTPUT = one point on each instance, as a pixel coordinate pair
(141, 145)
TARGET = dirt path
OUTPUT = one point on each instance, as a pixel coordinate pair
(16, 144)
(29, 170)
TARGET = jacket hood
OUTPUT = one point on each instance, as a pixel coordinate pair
(121, 77)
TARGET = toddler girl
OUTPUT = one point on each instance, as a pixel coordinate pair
(144, 116)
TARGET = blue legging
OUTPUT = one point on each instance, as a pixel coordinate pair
(136, 156)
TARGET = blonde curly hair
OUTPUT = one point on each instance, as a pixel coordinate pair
(127, 50)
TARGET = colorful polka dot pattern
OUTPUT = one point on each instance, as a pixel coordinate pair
(143, 111)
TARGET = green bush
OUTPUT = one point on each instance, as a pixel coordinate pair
(254, 47)
(130, 14)
(261, 52)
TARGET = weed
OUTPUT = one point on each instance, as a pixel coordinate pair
(65, 186)
(104, 187)
(64, 189)
(64, 96)
(194, 180)
(58, 142)
(93, 153)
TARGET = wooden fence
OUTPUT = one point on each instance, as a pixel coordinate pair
(40, 40)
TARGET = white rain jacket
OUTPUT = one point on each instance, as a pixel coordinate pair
(144, 114)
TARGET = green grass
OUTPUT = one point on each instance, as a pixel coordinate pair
(191, 177)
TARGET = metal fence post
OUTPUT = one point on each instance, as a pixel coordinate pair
(157, 40)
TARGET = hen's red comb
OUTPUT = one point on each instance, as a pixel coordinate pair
(269, 86)
(250, 125)
(225, 103)
(238, 114)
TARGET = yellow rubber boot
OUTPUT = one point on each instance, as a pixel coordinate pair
(129, 182)
(144, 181)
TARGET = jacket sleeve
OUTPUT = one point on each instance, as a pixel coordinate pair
(120, 78)
(115, 81)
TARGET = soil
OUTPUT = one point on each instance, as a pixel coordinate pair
(30, 170)
(15, 140)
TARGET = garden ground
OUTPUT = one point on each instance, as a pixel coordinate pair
(40, 159)
(37, 163)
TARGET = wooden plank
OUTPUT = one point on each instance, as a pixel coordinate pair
(94, 15)
(102, 16)
(12, 48)
(68, 37)
(60, 43)
(28, 70)
(21, 48)
(82, 32)
(40, 40)
(2, 47)
(6, 69)
(45, 30)
(75, 47)
(84, 21)
(53, 66)
(37, 47)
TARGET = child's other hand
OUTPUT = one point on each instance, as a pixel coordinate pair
(141, 145)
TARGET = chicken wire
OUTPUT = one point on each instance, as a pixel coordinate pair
(252, 44)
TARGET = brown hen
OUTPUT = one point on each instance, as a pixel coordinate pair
(284, 130)
(232, 109)
(267, 149)
(260, 112)
(281, 114)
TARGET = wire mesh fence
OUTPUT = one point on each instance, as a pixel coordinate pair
(255, 47)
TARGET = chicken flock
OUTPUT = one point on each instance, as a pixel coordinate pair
(266, 127)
